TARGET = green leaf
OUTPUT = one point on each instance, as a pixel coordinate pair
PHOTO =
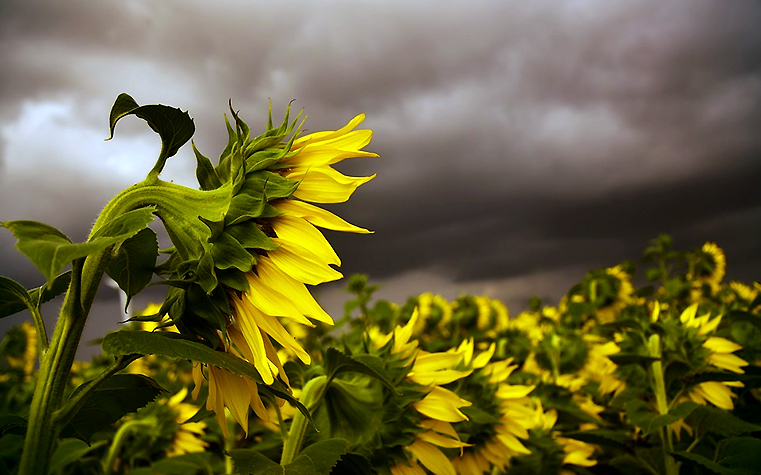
(117, 396)
(252, 461)
(50, 250)
(133, 262)
(70, 451)
(173, 126)
(741, 454)
(12, 424)
(321, 457)
(125, 225)
(337, 362)
(709, 419)
(317, 459)
(704, 464)
(176, 346)
(13, 297)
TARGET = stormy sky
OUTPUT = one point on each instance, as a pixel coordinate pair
(521, 143)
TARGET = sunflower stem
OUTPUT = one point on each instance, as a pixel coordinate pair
(55, 364)
(310, 397)
(661, 399)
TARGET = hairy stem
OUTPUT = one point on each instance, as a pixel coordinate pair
(310, 397)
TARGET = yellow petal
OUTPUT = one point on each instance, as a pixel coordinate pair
(432, 458)
(513, 391)
(325, 185)
(442, 404)
(273, 278)
(328, 134)
(721, 345)
(689, 314)
(318, 216)
(295, 262)
(728, 361)
(294, 230)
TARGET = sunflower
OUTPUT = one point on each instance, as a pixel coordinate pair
(493, 442)
(187, 437)
(435, 409)
(719, 355)
(281, 251)
(708, 266)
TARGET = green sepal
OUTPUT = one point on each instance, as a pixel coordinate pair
(132, 263)
(205, 172)
(113, 399)
(173, 126)
(250, 236)
(234, 279)
(244, 207)
(205, 275)
(229, 253)
(274, 185)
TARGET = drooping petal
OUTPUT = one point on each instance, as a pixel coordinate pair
(273, 278)
(318, 216)
(432, 458)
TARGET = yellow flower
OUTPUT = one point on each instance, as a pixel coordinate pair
(313, 155)
(439, 407)
(227, 390)
(717, 266)
(186, 439)
(277, 282)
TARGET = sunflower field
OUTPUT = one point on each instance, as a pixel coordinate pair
(646, 368)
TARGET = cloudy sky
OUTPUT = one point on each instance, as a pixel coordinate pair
(521, 143)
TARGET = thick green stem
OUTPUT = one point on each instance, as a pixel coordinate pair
(661, 400)
(55, 364)
(310, 396)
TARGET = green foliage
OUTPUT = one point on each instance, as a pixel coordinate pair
(173, 126)
(317, 459)
(112, 400)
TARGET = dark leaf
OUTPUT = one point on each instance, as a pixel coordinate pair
(117, 396)
(133, 263)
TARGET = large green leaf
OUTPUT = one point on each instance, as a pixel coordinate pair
(50, 250)
(173, 126)
(176, 346)
(317, 459)
(709, 419)
(133, 262)
(114, 398)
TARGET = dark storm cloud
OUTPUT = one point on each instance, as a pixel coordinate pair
(515, 139)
